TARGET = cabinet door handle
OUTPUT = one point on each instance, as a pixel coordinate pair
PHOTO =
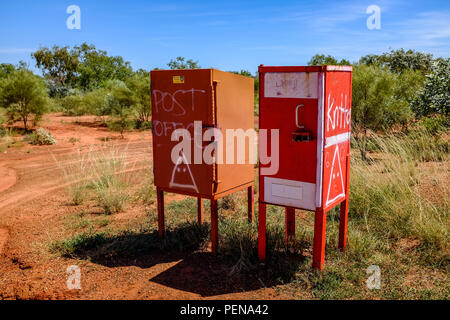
(301, 126)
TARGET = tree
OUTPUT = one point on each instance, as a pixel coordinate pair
(400, 60)
(123, 103)
(244, 73)
(57, 63)
(405, 89)
(321, 59)
(6, 69)
(380, 100)
(182, 63)
(434, 98)
(96, 67)
(24, 96)
(139, 84)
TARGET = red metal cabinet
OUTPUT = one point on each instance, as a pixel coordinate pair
(311, 108)
(217, 99)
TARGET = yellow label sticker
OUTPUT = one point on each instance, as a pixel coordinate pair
(178, 79)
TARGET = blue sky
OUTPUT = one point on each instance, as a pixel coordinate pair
(228, 35)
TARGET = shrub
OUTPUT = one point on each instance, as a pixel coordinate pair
(75, 174)
(74, 105)
(139, 85)
(143, 125)
(56, 89)
(122, 108)
(436, 124)
(24, 96)
(111, 198)
(100, 173)
(97, 102)
(434, 98)
(2, 122)
(83, 241)
(400, 60)
(41, 137)
(381, 100)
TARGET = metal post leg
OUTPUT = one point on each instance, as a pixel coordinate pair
(250, 201)
(214, 226)
(290, 224)
(343, 222)
(262, 232)
(320, 225)
(200, 210)
(160, 200)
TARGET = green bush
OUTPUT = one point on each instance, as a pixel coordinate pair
(74, 105)
(434, 98)
(436, 124)
(111, 198)
(122, 109)
(381, 100)
(2, 122)
(97, 102)
(24, 95)
(41, 137)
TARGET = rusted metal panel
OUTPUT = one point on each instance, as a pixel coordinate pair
(219, 100)
(235, 111)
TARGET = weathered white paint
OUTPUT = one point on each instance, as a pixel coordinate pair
(291, 85)
(290, 193)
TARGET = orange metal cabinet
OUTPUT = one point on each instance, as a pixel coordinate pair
(311, 108)
(221, 100)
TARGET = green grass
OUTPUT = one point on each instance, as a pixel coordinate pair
(99, 174)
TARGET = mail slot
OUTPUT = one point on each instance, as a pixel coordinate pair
(311, 109)
(197, 101)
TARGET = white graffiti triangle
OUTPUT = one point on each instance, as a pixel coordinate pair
(177, 168)
(337, 158)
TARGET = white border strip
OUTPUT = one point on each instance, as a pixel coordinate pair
(342, 137)
(320, 134)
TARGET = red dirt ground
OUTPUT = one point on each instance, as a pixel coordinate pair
(32, 203)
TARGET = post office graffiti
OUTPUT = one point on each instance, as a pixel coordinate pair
(170, 102)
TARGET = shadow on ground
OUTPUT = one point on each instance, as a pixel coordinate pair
(198, 271)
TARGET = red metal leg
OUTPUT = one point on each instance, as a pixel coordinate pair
(214, 226)
(343, 226)
(250, 201)
(343, 222)
(200, 210)
(160, 200)
(290, 223)
(320, 225)
(262, 232)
